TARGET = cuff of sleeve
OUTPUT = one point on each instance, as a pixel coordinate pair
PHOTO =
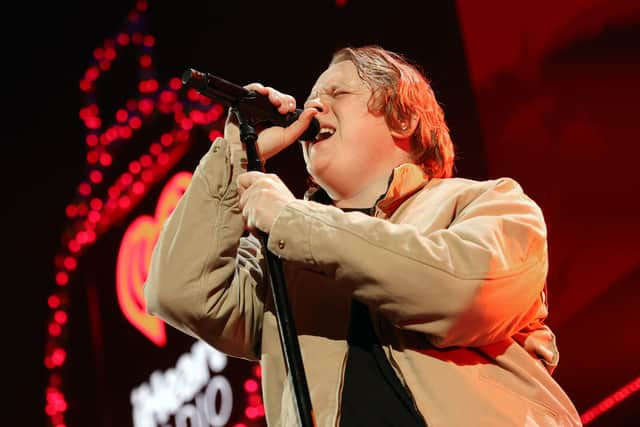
(290, 233)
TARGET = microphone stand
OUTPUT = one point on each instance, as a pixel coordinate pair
(286, 326)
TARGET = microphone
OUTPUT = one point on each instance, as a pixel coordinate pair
(253, 106)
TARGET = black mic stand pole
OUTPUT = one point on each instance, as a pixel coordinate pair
(288, 335)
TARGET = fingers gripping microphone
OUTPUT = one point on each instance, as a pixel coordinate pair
(252, 105)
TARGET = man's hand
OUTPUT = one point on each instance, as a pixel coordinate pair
(274, 139)
(262, 198)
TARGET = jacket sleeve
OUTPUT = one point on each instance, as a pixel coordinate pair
(475, 282)
(205, 279)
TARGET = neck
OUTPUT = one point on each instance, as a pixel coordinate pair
(367, 196)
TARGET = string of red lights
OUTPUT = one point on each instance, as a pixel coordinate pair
(96, 207)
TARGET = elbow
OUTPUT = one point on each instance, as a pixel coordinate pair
(157, 290)
(151, 297)
(159, 298)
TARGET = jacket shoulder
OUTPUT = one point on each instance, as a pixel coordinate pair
(462, 186)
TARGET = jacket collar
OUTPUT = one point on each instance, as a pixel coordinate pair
(406, 180)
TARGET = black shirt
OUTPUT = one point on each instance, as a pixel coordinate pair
(372, 394)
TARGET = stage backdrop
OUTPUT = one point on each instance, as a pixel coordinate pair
(546, 98)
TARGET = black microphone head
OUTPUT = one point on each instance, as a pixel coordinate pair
(312, 130)
(195, 79)
(186, 75)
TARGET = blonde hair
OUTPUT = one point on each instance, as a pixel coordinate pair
(401, 91)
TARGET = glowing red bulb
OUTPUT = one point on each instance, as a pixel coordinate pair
(145, 61)
(71, 211)
(85, 85)
(175, 83)
(163, 159)
(126, 178)
(94, 216)
(146, 105)
(135, 122)
(141, 5)
(54, 329)
(105, 159)
(74, 246)
(167, 97)
(91, 140)
(138, 188)
(193, 95)
(134, 167)
(92, 73)
(251, 412)
(125, 132)
(53, 301)
(186, 124)
(124, 202)
(123, 39)
(96, 204)
(149, 40)
(121, 115)
(60, 316)
(146, 161)
(58, 356)
(166, 139)
(98, 53)
(251, 385)
(92, 157)
(62, 278)
(110, 54)
(155, 149)
(84, 189)
(95, 176)
(93, 123)
(70, 263)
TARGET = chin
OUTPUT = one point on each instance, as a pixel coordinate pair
(317, 169)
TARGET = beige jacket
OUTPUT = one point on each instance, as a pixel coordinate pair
(453, 271)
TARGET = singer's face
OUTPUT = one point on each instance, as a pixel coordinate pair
(355, 146)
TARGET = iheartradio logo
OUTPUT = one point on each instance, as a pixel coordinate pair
(134, 256)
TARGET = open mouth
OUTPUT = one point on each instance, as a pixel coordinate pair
(324, 133)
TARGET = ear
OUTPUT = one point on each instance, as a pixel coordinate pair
(407, 127)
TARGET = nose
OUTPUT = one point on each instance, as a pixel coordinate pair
(317, 104)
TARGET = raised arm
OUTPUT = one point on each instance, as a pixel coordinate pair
(202, 279)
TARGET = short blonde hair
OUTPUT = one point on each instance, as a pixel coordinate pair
(401, 91)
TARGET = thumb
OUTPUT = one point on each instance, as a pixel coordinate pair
(297, 128)
(275, 139)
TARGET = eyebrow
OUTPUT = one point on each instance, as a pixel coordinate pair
(317, 93)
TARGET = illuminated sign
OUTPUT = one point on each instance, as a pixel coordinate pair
(191, 394)
(134, 257)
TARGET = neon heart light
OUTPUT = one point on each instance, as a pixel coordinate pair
(134, 257)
